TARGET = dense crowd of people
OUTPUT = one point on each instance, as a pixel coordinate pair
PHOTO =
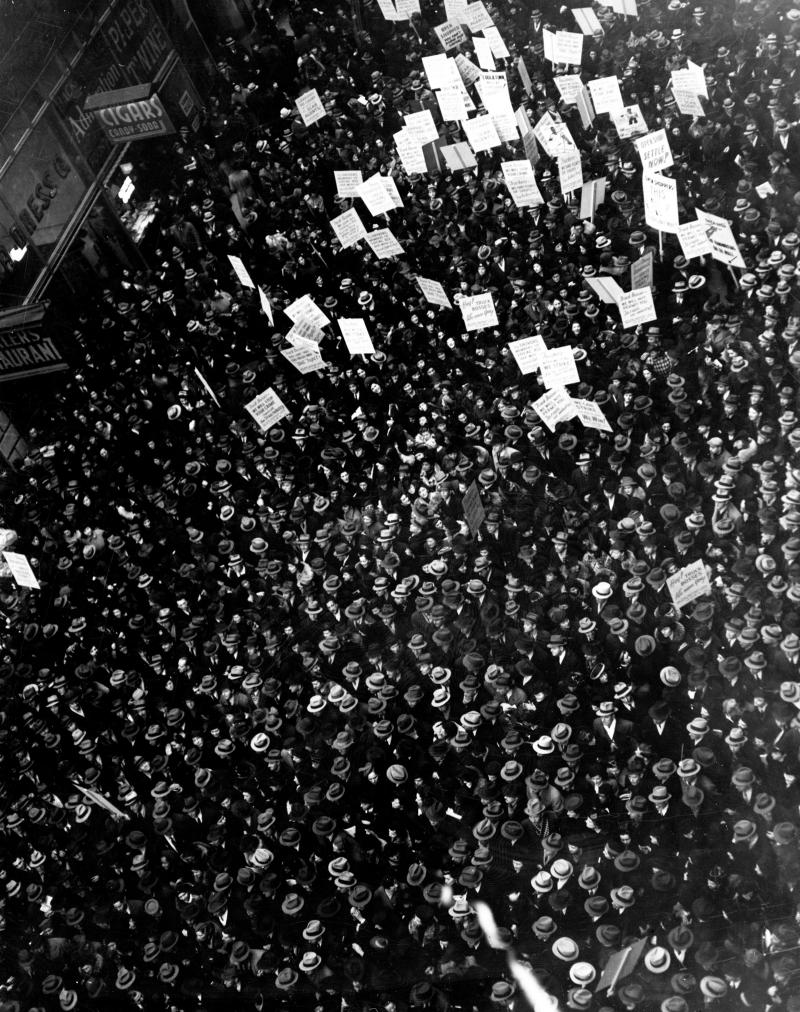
(278, 718)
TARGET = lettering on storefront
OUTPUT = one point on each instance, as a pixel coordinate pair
(139, 49)
(143, 118)
(40, 199)
(25, 350)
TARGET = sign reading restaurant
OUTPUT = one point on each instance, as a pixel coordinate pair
(25, 347)
(130, 114)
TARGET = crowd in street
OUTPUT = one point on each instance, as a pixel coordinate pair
(279, 718)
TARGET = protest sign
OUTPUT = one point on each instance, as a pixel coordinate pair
(438, 70)
(451, 104)
(434, 292)
(660, 202)
(421, 127)
(347, 182)
(723, 243)
(474, 513)
(481, 133)
(349, 228)
(373, 192)
(697, 78)
(240, 271)
(483, 53)
(587, 21)
(626, 7)
(687, 102)
(548, 41)
(521, 183)
(629, 122)
(478, 311)
(478, 18)
(606, 96)
(356, 336)
(265, 306)
(467, 69)
(642, 271)
(569, 85)
(606, 289)
(548, 136)
(456, 11)
(450, 35)
(591, 415)
(654, 151)
(304, 331)
(405, 8)
(459, 156)
(636, 307)
(389, 10)
(305, 357)
(267, 409)
(391, 189)
(495, 40)
(593, 193)
(622, 963)
(570, 171)
(689, 583)
(553, 407)
(305, 308)
(568, 48)
(383, 243)
(206, 385)
(558, 367)
(693, 237)
(410, 152)
(21, 570)
(530, 147)
(765, 190)
(310, 107)
(585, 107)
(527, 351)
(525, 77)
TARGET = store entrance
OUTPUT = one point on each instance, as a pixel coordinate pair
(100, 250)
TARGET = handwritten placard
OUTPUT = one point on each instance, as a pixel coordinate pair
(434, 292)
(267, 409)
(421, 127)
(481, 133)
(451, 35)
(568, 48)
(558, 367)
(305, 357)
(383, 243)
(349, 228)
(527, 352)
(723, 243)
(310, 107)
(356, 336)
(693, 238)
(654, 151)
(554, 406)
(570, 171)
(240, 271)
(606, 96)
(521, 182)
(347, 182)
(660, 202)
(636, 307)
(373, 192)
(21, 570)
(591, 415)
(305, 308)
(478, 311)
(689, 583)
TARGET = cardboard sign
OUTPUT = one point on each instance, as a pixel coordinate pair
(553, 407)
(549, 43)
(347, 182)
(456, 11)
(689, 583)
(525, 77)
(527, 352)
(478, 18)
(434, 292)
(21, 570)
(687, 102)
(478, 311)
(458, 156)
(267, 409)
(585, 107)
(630, 122)
(451, 104)
(642, 271)
(660, 202)
(240, 271)
(531, 148)
(391, 188)
(551, 137)
(568, 48)
(305, 308)
(698, 78)
(356, 336)
(410, 152)
(406, 8)
(266, 308)
(304, 332)
(349, 228)
(438, 70)
(373, 192)
(606, 96)
(474, 513)
(310, 107)
(206, 386)
(569, 86)
(450, 35)
(622, 963)
(521, 183)
(383, 243)
(305, 357)
(593, 193)
(495, 40)
(693, 237)
(421, 127)
(467, 69)
(483, 54)
(591, 415)
(636, 307)
(654, 151)
(587, 21)
(570, 171)
(481, 133)
(606, 289)
(723, 244)
(389, 10)
(558, 367)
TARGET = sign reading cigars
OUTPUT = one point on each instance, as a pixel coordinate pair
(130, 113)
